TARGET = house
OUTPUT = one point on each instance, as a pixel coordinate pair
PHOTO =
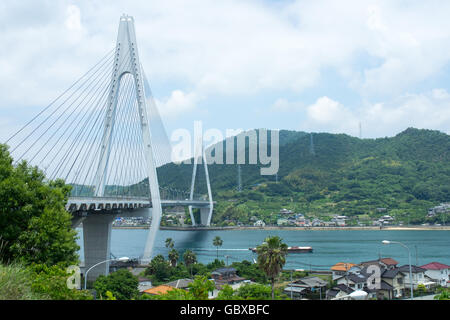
(282, 222)
(305, 286)
(339, 220)
(226, 276)
(356, 281)
(285, 211)
(339, 291)
(438, 272)
(158, 290)
(180, 283)
(341, 268)
(383, 263)
(144, 284)
(394, 278)
(259, 223)
(418, 277)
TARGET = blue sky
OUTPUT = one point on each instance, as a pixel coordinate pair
(316, 66)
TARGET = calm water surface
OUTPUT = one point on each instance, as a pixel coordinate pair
(329, 247)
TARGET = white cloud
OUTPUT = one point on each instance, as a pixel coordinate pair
(428, 110)
(283, 105)
(329, 115)
(178, 103)
(73, 21)
(241, 47)
(230, 48)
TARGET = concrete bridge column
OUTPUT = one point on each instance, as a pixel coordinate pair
(205, 216)
(97, 243)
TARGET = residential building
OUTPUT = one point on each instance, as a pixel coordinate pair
(339, 220)
(383, 263)
(338, 292)
(180, 284)
(418, 277)
(395, 279)
(282, 222)
(306, 286)
(259, 223)
(341, 268)
(226, 276)
(356, 281)
(438, 272)
(158, 290)
(144, 284)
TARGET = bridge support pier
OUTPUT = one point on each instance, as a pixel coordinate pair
(205, 216)
(97, 243)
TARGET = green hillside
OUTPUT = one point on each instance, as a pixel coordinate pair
(407, 174)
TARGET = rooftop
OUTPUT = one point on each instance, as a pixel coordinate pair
(435, 266)
(414, 269)
(385, 261)
(180, 283)
(162, 289)
(311, 282)
(342, 266)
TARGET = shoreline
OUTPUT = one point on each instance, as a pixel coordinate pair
(387, 228)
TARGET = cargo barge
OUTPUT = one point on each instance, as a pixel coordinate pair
(293, 249)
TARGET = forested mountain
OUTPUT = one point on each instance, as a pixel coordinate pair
(323, 174)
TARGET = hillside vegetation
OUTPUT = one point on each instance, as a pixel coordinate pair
(407, 174)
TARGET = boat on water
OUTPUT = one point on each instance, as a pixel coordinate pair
(293, 249)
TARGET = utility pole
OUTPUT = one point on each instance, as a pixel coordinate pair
(417, 263)
(360, 130)
(311, 145)
(291, 285)
(239, 187)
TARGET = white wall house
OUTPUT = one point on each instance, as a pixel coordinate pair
(438, 272)
(418, 277)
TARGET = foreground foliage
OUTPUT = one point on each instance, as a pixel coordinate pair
(121, 284)
(34, 225)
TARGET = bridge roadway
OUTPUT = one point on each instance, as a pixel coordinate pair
(75, 204)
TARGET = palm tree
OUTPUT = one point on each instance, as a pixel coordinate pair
(173, 257)
(217, 242)
(189, 258)
(271, 258)
(169, 243)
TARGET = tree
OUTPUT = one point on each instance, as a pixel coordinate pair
(217, 242)
(34, 225)
(189, 258)
(173, 257)
(122, 284)
(227, 293)
(52, 282)
(159, 269)
(443, 295)
(170, 243)
(249, 270)
(200, 287)
(271, 258)
(256, 291)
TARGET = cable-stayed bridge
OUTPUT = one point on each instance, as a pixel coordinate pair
(104, 137)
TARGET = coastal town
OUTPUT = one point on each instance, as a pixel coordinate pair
(288, 218)
(392, 281)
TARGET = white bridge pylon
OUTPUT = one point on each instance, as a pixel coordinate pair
(126, 61)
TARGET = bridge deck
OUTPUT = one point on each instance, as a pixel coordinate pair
(111, 203)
